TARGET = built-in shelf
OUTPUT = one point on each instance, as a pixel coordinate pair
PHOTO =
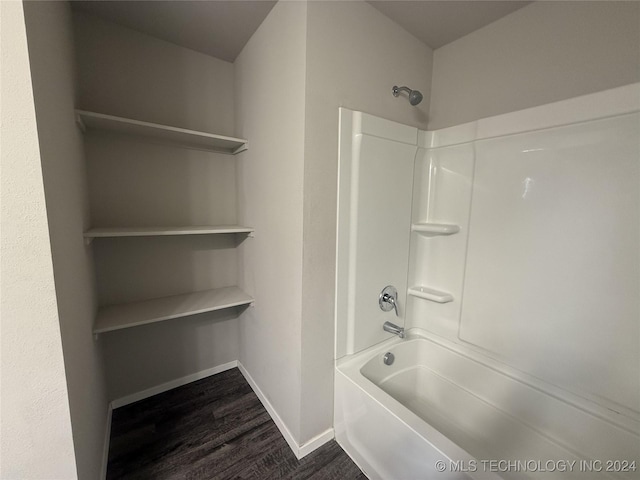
(163, 231)
(430, 294)
(128, 315)
(181, 136)
(433, 229)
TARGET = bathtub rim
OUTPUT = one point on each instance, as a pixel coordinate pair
(349, 370)
(351, 364)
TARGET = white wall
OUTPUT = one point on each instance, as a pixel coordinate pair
(270, 113)
(35, 429)
(126, 73)
(144, 357)
(544, 52)
(290, 80)
(355, 55)
(134, 182)
(49, 32)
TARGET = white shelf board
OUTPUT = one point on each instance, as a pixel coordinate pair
(163, 231)
(430, 294)
(182, 136)
(432, 229)
(116, 317)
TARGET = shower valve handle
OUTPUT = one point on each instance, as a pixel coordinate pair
(388, 299)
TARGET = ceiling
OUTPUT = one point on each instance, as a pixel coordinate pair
(437, 23)
(218, 28)
(221, 28)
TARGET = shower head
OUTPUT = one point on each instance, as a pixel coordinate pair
(415, 97)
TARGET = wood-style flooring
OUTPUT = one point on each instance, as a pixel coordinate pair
(215, 428)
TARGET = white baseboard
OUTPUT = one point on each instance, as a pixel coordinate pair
(178, 382)
(316, 442)
(272, 411)
(107, 439)
(298, 451)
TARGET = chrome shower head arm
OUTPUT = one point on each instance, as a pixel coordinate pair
(396, 90)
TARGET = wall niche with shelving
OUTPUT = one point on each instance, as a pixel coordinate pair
(163, 217)
(158, 122)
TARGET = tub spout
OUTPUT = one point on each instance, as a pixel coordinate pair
(393, 328)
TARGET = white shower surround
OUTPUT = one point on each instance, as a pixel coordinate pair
(381, 412)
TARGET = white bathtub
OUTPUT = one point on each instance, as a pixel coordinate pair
(438, 404)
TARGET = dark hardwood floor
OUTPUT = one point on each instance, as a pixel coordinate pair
(215, 428)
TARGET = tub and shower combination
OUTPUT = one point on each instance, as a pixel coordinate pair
(512, 243)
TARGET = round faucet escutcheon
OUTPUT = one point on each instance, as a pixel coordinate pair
(388, 299)
(388, 358)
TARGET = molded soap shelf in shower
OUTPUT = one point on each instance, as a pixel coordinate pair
(433, 229)
(430, 294)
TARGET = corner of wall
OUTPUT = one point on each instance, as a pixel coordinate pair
(37, 438)
(51, 53)
(351, 62)
(270, 112)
